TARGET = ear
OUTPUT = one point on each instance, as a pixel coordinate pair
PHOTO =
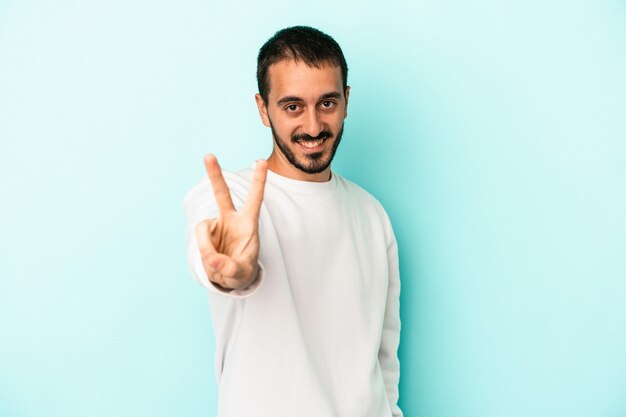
(346, 107)
(262, 109)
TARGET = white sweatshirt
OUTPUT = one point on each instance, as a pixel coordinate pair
(317, 333)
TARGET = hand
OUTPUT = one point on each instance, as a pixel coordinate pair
(229, 244)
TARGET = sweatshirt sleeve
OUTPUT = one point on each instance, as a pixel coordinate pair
(388, 351)
(200, 205)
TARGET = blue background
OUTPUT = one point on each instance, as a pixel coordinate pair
(493, 132)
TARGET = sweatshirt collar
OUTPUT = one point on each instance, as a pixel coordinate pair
(301, 186)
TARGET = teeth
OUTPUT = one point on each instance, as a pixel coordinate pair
(312, 144)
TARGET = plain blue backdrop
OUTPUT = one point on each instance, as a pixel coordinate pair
(493, 132)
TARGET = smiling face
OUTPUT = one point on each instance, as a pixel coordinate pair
(305, 109)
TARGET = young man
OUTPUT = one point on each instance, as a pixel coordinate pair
(300, 263)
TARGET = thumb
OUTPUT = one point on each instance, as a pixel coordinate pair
(215, 262)
(224, 265)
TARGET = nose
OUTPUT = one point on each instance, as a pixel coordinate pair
(313, 125)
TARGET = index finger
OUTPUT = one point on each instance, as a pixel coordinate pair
(220, 189)
(255, 195)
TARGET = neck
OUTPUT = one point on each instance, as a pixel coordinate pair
(278, 164)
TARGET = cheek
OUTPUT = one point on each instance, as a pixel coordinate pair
(279, 123)
(286, 129)
(335, 122)
(290, 126)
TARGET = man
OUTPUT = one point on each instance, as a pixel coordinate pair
(300, 263)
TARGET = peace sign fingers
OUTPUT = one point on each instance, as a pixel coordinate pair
(255, 195)
(229, 244)
(220, 189)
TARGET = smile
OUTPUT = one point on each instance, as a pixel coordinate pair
(312, 145)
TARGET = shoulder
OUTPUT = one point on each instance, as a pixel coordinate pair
(365, 200)
(359, 193)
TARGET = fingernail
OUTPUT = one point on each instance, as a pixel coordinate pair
(215, 264)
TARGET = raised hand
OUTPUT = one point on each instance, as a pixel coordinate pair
(229, 244)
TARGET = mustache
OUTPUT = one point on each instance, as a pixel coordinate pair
(324, 134)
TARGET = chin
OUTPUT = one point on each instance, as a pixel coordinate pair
(314, 165)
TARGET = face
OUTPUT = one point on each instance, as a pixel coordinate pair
(305, 109)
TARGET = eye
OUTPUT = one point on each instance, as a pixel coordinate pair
(292, 108)
(327, 104)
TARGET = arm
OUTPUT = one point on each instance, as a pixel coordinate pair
(388, 351)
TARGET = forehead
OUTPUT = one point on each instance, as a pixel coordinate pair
(288, 77)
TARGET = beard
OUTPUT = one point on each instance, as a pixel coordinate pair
(313, 163)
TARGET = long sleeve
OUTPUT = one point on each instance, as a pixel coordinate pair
(388, 352)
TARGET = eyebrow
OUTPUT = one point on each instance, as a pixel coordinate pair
(287, 99)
